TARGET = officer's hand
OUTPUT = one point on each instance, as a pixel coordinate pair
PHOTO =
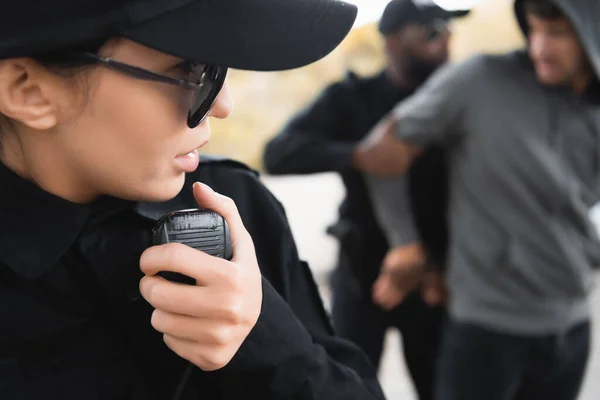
(381, 154)
(402, 272)
(206, 323)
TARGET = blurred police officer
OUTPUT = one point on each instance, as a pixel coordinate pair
(324, 138)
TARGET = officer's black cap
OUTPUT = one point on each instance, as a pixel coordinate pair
(399, 13)
(244, 34)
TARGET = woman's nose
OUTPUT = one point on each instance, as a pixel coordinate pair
(224, 104)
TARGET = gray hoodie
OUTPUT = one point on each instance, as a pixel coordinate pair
(525, 170)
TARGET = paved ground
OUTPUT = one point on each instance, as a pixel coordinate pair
(311, 204)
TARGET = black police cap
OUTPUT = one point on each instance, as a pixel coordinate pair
(399, 13)
(244, 34)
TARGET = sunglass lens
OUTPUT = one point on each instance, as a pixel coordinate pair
(210, 80)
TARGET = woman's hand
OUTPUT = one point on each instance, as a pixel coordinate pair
(206, 323)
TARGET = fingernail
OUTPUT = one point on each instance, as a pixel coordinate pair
(203, 185)
(146, 286)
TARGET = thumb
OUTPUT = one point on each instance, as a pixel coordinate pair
(224, 206)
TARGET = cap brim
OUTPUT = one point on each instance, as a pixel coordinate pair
(261, 35)
(435, 12)
(459, 13)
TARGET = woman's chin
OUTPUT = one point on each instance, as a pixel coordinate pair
(168, 190)
(160, 190)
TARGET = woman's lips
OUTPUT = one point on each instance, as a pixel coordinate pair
(188, 162)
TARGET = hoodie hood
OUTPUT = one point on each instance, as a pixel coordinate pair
(583, 14)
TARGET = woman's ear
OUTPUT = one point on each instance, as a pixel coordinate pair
(28, 93)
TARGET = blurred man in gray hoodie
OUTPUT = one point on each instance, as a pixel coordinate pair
(522, 133)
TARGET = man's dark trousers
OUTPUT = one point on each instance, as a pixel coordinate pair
(480, 364)
(357, 318)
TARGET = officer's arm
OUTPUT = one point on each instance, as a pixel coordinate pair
(292, 353)
(315, 140)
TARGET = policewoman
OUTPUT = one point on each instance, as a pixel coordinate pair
(103, 104)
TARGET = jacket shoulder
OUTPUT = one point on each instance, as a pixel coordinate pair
(230, 178)
(225, 165)
(351, 85)
(236, 180)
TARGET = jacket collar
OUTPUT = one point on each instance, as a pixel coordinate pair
(37, 228)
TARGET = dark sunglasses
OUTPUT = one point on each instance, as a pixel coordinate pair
(204, 80)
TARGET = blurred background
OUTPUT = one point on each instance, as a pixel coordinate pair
(265, 101)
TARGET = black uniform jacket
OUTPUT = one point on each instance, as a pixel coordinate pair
(74, 326)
